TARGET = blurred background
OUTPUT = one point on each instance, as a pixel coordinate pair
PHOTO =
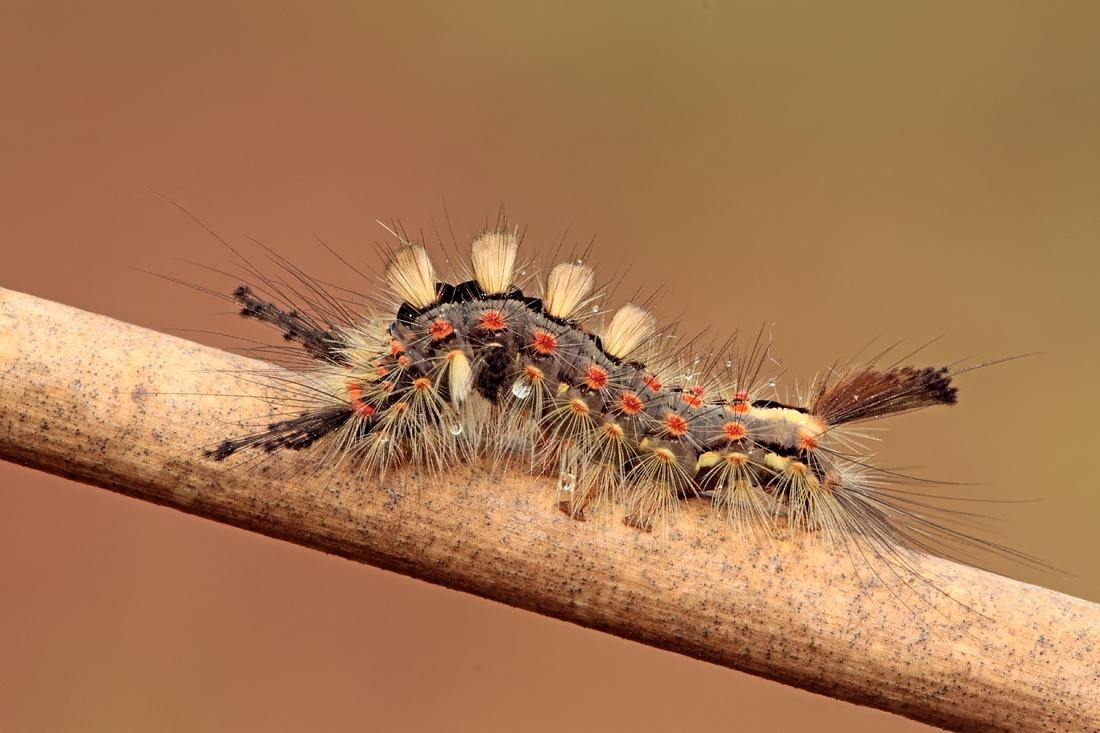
(838, 173)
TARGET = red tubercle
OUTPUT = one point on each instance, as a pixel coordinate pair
(381, 372)
(595, 377)
(691, 400)
(440, 330)
(422, 384)
(739, 408)
(403, 361)
(734, 431)
(807, 440)
(493, 320)
(533, 374)
(675, 425)
(741, 396)
(653, 383)
(396, 348)
(630, 403)
(544, 343)
(360, 408)
(578, 406)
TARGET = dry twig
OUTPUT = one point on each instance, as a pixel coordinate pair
(127, 409)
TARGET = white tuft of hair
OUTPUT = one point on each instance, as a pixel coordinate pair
(630, 327)
(493, 255)
(567, 285)
(411, 276)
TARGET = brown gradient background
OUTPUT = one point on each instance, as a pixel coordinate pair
(842, 171)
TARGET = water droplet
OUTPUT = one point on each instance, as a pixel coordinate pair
(580, 262)
(771, 382)
(595, 309)
(455, 429)
(383, 438)
(729, 364)
(523, 271)
(567, 481)
(688, 375)
(521, 390)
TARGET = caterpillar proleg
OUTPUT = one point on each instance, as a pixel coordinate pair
(494, 363)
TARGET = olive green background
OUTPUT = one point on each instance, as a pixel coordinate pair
(840, 173)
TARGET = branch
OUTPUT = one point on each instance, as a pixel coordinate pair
(117, 406)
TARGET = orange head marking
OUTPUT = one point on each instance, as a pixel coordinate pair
(493, 320)
(630, 403)
(440, 330)
(653, 383)
(595, 377)
(544, 343)
(675, 425)
(734, 431)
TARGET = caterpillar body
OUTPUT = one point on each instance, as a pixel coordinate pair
(485, 368)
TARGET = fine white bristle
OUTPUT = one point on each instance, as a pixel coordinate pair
(630, 327)
(566, 287)
(493, 255)
(411, 276)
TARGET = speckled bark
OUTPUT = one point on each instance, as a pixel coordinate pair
(127, 409)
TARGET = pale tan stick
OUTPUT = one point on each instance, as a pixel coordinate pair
(117, 406)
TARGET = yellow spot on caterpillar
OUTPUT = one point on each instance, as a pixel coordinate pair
(708, 460)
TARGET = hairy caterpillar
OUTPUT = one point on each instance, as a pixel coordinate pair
(490, 366)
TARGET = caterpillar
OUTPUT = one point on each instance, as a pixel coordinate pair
(493, 366)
